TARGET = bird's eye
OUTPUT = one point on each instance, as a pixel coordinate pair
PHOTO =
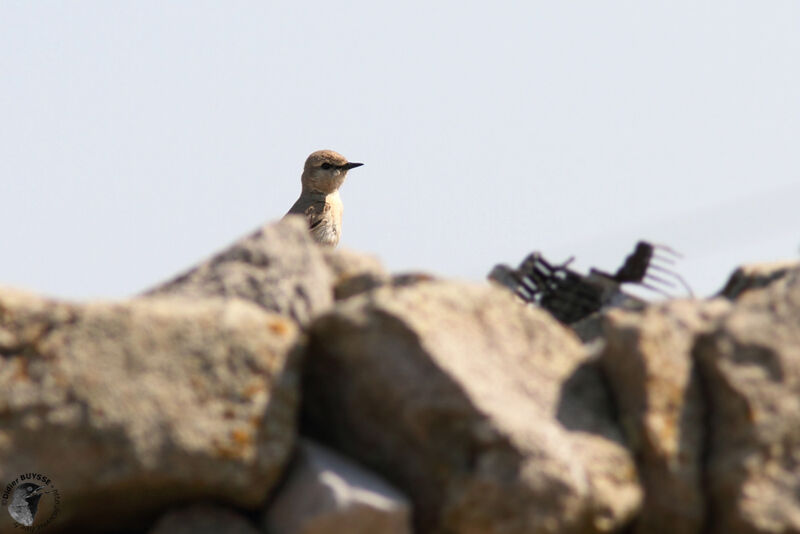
(326, 166)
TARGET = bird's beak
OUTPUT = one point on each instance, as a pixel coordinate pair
(348, 166)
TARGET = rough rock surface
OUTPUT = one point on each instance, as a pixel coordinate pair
(130, 406)
(649, 365)
(755, 276)
(353, 272)
(751, 369)
(279, 267)
(326, 493)
(484, 411)
(203, 519)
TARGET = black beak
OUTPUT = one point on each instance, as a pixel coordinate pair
(348, 166)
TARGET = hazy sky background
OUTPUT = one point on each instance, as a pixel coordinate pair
(137, 138)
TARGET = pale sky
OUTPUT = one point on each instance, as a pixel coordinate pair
(138, 138)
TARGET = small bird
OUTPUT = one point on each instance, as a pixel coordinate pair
(323, 175)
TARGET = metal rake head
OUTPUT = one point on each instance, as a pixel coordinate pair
(562, 291)
(571, 296)
(646, 258)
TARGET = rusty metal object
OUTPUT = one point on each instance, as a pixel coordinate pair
(571, 296)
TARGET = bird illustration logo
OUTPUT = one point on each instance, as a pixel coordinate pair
(24, 502)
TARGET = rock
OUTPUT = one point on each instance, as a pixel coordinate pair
(356, 273)
(328, 494)
(484, 411)
(751, 369)
(589, 329)
(131, 406)
(203, 519)
(353, 272)
(411, 278)
(756, 276)
(279, 268)
(649, 365)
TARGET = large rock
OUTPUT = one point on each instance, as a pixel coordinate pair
(484, 411)
(203, 519)
(756, 276)
(648, 361)
(751, 368)
(326, 493)
(279, 268)
(130, 406)
(353, 272)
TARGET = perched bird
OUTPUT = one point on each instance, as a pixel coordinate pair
(319, 201)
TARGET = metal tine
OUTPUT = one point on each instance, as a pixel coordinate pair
(514, 275)
(530, 287)
(684, 284)
(527, 279)
(517, 285)
(662, 269)
(674, 275)
(562, 274)
(530, 259)
(657, 290)
(520, 291)
(544, 274)
(518, 280)
(533, 258)
(566, 263)
(659, 279)
(537, 258)
(524, 294)
(531, 269)
(668, 250)
(535, 268)
(534, 279)
(664, 259)
(542, 261)
(550, 275)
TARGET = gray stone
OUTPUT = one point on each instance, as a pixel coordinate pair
(131, 406)
(486, 412)
(279, 268)
(649, 365)
(756, 276)
(751, 369)
(326, 493)
(353, 272)
(203, 519)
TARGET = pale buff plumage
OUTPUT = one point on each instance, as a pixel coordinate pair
(323, 175)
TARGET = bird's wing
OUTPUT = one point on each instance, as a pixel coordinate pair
(314, 211)
(316, 214)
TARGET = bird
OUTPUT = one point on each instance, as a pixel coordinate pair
(25, 503)
(323, 174)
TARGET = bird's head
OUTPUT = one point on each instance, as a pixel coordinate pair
(325, 171)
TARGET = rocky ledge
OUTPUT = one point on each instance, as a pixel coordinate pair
(282, 388)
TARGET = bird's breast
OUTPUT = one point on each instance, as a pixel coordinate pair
(326, 234)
